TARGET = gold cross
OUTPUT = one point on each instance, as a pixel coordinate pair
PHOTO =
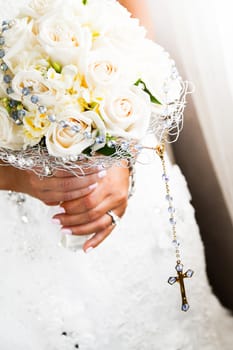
(180, 279)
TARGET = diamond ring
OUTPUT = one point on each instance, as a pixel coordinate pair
(114, 217)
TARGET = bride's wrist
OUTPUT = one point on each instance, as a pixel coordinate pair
(9, 180)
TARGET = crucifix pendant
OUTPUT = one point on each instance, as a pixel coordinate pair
(180, 278)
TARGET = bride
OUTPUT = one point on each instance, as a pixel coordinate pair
(117, 295)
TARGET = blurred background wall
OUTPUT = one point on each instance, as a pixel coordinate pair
(198, 34)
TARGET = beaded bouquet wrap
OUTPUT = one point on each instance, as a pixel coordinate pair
(81, 86)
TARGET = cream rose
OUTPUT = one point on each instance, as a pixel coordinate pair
(63, 38)
(126, 113)
(76, 135)
(102, 69)
(10, 134)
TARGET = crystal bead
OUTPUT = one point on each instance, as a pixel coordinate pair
(5, 27)
(87, 135)
(165, 178)
(14, 115)
(189, 273)
(5, 22)
(63, 124)
(73, 158)
(25, 91)
(111, 144)
(7, 78)
(9, 91)
(100, 139)
(42, 109)
(4, 67)
(2, 53)
(2, 40)
(171, 210)
(13, 103)
(18, 122)
(76, 128)
(172, 221)
(168, 198)
(29, 163)
(176, 243)
(11, 159)
(47, 171)
(172, 280)
(179, 268)
(34, 99)
(21, 113)
(138, 148)
(185, 307)
(21, 162)
(125, 146)
(52, 118)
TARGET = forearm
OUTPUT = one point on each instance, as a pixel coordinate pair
(8, 178)
(140, 10)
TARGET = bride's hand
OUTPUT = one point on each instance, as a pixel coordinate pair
(88, 215)
(61, 187)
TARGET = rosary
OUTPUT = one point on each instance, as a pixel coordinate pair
(181, 275)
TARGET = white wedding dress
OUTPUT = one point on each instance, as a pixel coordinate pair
(117, 297)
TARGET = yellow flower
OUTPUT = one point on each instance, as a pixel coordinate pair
(35, 127)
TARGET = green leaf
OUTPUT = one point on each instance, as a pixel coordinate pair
(84, 2)
(153, 99)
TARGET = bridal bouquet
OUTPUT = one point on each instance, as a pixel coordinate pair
(80, 83)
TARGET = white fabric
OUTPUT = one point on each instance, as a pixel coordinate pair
(117, 297)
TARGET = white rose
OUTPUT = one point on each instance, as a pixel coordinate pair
(37, 85)
(126, 113)
(10, 133)
(19, 39)
(37, 8)
(106, 16)
(77, 136)
(102, 69)
(63, 38)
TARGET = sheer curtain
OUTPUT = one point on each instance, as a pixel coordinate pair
(199, 35)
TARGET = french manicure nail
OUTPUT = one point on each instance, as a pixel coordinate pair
(92, 187)
(102, 174)
(61, 210)
(56, 221)
(88, 250)
(66, 231)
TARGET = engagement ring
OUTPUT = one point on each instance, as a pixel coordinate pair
(114, 217)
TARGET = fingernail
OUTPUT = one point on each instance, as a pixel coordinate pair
(61, 210)
(56, 221)
(102, 174)
(92, 187)
(88, 250)
(66, 231)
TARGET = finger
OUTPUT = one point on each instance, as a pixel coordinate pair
(97, 239)
(96, 226)
(87, 216)
(63, 185)
(57, 197)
